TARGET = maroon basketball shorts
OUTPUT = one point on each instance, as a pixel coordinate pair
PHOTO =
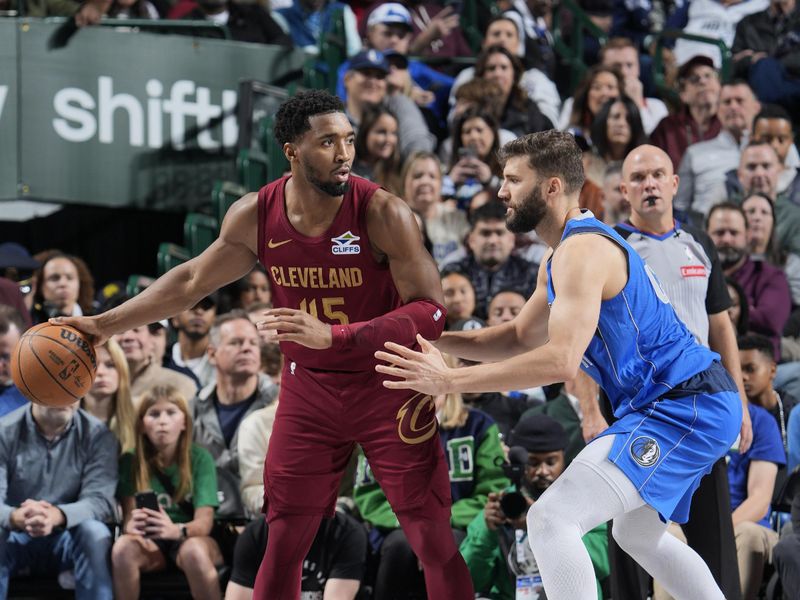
(322, 414)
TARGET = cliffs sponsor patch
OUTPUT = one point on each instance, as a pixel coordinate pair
(346, 244)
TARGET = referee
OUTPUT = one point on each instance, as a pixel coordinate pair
(686, 264)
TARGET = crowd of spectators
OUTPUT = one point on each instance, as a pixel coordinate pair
(187, 405)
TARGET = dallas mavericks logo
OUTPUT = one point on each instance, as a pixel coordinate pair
(645, 451)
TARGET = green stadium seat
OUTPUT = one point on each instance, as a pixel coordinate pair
(137, 283)
(276, 161)
(171, 255)
(223, 195)
(253, 169)
(199, 232)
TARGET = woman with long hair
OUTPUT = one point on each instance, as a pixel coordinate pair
(520, 114)
(64, 287)
(599, 85)
(377, 148)
(183, 478)
(445, 225)
(616, 130)
(759, 210)
(474, 165)
(110, 399)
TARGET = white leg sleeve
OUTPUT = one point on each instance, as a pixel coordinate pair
(592, 491)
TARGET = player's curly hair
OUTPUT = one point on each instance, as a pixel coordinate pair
(291, 120)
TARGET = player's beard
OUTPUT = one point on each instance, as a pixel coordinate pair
(529, 213)
(330, 188)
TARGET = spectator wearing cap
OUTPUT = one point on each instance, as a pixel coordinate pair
(471, 443)
(16, 265)
(704, 165)
(11, 328)
(191, 349)
(365, 84)
(620, 53)
(710, 18)
(307, 21)
(238, 391)
(496, 548)
(246, 21)
(490, 266)
(696, 120)
(389, 30)
(504, 30)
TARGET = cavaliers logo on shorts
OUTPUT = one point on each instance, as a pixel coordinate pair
(417, 419)
(645, 451)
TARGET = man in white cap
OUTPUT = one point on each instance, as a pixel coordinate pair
(389, 31)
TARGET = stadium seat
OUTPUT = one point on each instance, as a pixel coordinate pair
(199, 232)
(253, 169)
(137, 283)
(171, 255)
(223, 195)
(276, 161)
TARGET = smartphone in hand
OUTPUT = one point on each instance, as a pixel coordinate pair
(147, 500)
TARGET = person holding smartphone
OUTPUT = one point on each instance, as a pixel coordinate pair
(474, 165)
(168, 491)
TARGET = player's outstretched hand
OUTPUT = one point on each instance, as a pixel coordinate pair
(88, 325)
(297, 326)
(424, 371)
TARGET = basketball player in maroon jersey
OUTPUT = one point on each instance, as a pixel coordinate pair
(349, 271)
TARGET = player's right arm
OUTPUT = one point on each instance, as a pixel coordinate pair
(231, 256)
(528, 330)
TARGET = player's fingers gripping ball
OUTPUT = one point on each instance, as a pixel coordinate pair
(53, 365)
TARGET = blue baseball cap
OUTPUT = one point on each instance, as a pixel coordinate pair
(370, 59)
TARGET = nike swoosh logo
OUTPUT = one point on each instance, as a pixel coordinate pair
(271, 244)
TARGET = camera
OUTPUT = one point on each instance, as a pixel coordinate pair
(514, 504)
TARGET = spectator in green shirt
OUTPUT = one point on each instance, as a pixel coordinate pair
(496, 549)
(184, 479)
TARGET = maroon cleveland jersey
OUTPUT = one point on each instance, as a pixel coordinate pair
(334, 277)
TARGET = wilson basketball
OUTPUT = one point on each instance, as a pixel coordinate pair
(53, 365)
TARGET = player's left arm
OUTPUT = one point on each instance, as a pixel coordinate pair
(722, 340)
(584, 270)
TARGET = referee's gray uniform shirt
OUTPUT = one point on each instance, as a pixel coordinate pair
(685, 261)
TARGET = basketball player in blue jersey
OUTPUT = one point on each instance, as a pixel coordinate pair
(599, 308)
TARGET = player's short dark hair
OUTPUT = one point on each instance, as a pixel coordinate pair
(773, 111)
(292, 118)
(758, 342)
(551, 153)
(493, 210)
(10, 316)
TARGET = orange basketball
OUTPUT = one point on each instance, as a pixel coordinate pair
(53, 365)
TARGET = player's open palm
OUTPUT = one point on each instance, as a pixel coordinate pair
(424, 371)
(297, 326)
(88, 325)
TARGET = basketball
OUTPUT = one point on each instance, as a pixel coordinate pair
(53, 365)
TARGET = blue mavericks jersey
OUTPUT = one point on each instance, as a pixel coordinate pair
(641, 350)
